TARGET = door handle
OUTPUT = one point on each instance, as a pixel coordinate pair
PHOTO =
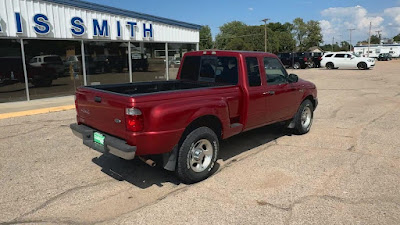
(269, 93)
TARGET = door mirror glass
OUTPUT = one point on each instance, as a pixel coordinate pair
(293, 78)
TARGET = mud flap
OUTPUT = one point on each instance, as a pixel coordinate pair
(169, 159)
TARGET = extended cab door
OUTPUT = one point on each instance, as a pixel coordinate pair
(256, 111)
(283, 97)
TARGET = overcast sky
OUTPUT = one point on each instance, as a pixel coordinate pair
(336, 16)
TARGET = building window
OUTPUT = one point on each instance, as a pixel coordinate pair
(12, 79)
(54, 67)
(154, 57)
(175, 54)
(106, 62)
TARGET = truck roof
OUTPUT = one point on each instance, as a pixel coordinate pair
(230, 52)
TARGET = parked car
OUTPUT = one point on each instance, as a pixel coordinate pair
(217, 94)
(294, 60)
(346, 60)
(12, 72)
(139, 62)
(53, 62)
(384, 57)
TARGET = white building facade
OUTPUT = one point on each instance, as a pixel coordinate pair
(375, 50)
(50, 47)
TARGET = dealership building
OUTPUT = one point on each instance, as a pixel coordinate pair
(50, 47)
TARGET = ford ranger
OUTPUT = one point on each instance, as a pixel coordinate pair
(217, 94)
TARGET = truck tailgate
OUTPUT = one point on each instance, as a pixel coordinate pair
(101, 110)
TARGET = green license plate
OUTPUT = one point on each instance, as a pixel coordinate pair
(98, 138)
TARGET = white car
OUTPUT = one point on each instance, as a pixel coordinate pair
(346, 60)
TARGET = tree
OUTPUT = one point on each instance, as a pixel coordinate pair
(396, 38)
(206, 41)
(299, 31)
(313, 34)
(344, 46)
(375, 39)
(228, 31)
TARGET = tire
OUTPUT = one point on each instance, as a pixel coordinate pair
(304, 117)
(311, 65)
(362, 66)
(296, 66)
(189, 170)
(329, 66)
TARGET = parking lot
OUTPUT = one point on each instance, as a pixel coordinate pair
(345, 171)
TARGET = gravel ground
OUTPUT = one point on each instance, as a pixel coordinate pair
(345, 171)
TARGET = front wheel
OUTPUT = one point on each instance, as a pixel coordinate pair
(304, 117)
(197, 155)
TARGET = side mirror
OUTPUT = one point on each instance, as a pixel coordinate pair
(293, 78)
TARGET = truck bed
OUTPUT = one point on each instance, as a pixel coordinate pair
(132, 89)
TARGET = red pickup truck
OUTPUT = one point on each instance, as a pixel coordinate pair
(217, 94)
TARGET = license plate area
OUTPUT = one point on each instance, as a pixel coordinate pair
(98, 138)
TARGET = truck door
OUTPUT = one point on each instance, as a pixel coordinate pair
(256, 111)
(282, 96)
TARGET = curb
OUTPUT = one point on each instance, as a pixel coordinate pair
(36, 111)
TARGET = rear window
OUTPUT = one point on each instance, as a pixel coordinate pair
(213, 69)
(52, 59)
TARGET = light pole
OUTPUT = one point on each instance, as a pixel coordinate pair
(265, 29)
(350, 38)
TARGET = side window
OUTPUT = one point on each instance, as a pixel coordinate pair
(329, 55)
(253, 71)
(339, 56)
(274, 71)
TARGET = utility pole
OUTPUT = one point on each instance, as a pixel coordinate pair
(350, 37)
(369, 38)
(265, 30)
(333, 41)
(379, 35)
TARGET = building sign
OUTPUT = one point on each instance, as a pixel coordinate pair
(79, 27)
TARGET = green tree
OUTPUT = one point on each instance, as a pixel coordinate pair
(228, 31)
(396, 38)
(300, 31)
(375, 39)
(206, 41)
(313, 35)
(344, 46)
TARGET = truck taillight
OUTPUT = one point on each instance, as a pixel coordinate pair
(305, 59)
(134, 119)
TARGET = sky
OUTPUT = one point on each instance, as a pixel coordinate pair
(335, 16)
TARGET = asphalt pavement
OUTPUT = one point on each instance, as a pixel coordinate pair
(345, 171)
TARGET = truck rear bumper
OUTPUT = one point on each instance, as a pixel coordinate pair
(112, 145)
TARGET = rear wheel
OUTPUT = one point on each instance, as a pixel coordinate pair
(296, 66)
(197, 155)
(304, 117)
(362, 66)
(329, 66)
